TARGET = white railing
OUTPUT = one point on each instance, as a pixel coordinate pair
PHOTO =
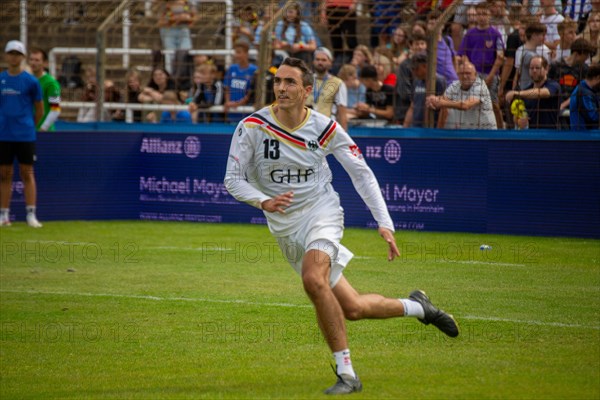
(130, 107)
(52, 65)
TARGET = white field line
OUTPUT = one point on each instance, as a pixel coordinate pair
(288, 305)
(229, 249)
(156, 298)
(518, 321)
(65, 242)
(188, 248)
(501, 264)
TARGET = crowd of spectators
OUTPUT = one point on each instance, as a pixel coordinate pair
(499, 63)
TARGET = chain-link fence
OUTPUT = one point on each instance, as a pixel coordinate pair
(193, 43)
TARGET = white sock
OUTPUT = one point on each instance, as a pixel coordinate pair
(30, 210)
(412, 308)
(4, 212)
(343, 363)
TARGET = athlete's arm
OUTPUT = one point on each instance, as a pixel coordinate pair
(54, 112)
(278, 203)
(348, 154)
(241, 170)
(388, 236)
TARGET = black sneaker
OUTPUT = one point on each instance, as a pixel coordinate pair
(433, 315)
(345, 384)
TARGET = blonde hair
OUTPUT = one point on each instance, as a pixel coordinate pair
(567, 23)
(207, 68)
(384, 61)
(170, 96)
(347, 71)
(587, 34)
(134, 73)
(366, 52)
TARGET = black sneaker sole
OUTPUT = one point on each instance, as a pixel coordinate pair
(440, 319)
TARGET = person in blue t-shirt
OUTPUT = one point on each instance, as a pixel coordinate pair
(585, 101)
(294, 35)
(417, 111)
(169, 98)
(20, 98)
(239, 82)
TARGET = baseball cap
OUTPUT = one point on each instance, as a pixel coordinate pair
(325, 51)
(15, 45)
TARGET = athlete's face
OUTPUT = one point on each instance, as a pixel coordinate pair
(290, 92)
(36, 63)
(14, 58)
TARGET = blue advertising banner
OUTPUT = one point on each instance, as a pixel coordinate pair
(493, 185)
(182, 180)
(89, 175)
(427, 184)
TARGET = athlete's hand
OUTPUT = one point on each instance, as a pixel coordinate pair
(388, 236)
(278, 203)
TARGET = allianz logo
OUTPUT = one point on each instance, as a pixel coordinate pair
(190, 147)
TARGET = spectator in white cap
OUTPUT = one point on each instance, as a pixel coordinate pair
(20, 95)
(16, 46)
(330, 95)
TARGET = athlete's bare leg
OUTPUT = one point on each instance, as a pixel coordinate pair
(6, 177)
(315, 277)
(359, 306)
(28, 178)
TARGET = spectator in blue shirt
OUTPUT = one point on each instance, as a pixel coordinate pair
(585, 101)
(170, 98)
(239, 81)
(417, 112)
(294, 35)
(356, 91)
(20, 98)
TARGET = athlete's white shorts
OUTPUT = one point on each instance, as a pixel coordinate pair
(322, 232)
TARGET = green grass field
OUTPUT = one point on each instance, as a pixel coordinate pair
(145, 310)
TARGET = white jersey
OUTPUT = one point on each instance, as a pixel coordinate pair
(266, 160)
